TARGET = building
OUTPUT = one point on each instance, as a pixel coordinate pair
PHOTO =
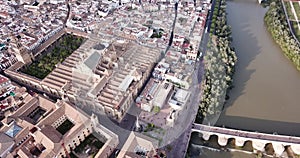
(56, 1)
(154, 94)
(174, 68)
(179, 98)
(105, 76)
(37, 127)
(138, 146)
(22, 54)
(192, 50)
(6, 144)
(5, 86)
(191, 54)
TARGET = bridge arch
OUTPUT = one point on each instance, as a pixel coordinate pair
(278, 148)
(222, 140)
(206, 136)
(259, 145)
(296, 148)
(240, 142)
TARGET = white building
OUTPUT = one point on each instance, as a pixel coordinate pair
(155, 93)
(56, 1)
(179, 98)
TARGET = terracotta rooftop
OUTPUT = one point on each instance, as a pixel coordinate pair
(3, 79)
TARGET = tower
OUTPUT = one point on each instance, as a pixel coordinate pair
(94, 120)
(137, 125)
(22, 54)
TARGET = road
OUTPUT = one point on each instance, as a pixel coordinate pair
(173, 27)
(111, 124)
(289, 23)
(69, 12)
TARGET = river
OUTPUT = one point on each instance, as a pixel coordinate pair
(266, 96)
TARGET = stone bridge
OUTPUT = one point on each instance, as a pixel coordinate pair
(259, 140)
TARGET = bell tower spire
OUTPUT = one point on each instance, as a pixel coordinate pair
(22, 54)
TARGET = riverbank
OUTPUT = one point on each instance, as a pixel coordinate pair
(277, 25)
(219, 62)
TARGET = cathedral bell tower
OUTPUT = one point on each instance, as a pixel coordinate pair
(22, 54)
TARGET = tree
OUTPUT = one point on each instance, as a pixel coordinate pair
(278, 27)
(219, 68)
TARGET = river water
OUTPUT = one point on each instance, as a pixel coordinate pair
(266, 96)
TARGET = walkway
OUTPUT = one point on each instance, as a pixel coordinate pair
(295, 14)
(288, 21)
(48, 42)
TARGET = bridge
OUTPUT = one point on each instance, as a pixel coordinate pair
(259, 140)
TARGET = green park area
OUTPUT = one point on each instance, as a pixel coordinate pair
(57, 53)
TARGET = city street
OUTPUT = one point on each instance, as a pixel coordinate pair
(128, 121)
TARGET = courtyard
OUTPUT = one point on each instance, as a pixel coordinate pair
(57, 53)
(88, 148)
